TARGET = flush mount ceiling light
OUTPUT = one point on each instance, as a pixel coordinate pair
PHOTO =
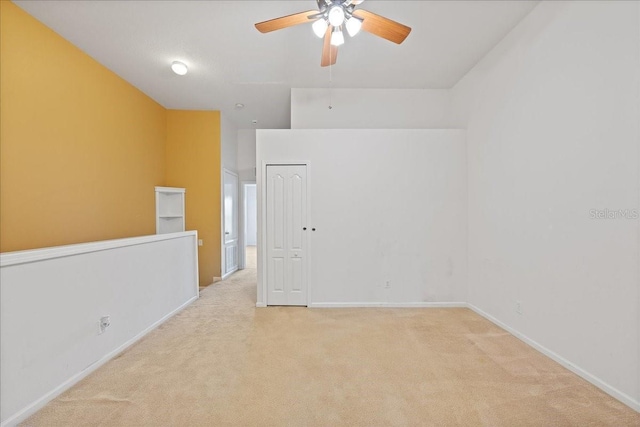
(239, 106)
(329, 19)
(180, 68)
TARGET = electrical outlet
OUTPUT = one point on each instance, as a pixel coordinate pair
(105, 322)
(200, 242)
(519, 307)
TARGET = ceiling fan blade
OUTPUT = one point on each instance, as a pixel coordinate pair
(285, 21)
(329, 51)
(382, 27)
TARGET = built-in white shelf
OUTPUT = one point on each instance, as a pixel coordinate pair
(169, 210)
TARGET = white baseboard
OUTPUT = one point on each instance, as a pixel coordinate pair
(388, 305)
(260, 304)
(34, 407)
(224, 276)
(612, 391)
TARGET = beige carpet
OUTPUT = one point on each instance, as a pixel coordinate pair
(223, 362)
(251, 257)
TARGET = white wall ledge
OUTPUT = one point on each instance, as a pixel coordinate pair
(23, 257)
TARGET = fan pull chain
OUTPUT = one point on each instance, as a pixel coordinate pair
(330, 77)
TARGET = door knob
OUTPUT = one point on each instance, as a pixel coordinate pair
(304, 228)
(313, 229)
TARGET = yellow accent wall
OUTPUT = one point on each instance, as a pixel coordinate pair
(193, 162)
(80, 148)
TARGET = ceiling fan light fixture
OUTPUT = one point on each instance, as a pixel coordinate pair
(320, 27)
(180, 68)
(331, 17)
(337, 38)
(336, 15)
(353, 26)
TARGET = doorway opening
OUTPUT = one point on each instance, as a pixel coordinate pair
(250, 225)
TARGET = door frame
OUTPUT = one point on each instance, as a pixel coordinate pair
(261, 193)
(223, 257)
(242, 257)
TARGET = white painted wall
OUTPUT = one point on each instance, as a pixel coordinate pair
(388, 205)
(552, 117)
(247, 154)
(52, 300)
(228, 143)
(371, 109)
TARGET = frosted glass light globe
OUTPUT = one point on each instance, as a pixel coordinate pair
(337, 38)
(320, 27)
(353, 26)
(336, 16)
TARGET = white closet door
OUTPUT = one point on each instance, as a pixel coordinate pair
(286, 235)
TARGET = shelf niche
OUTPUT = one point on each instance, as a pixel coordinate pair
(169, 210)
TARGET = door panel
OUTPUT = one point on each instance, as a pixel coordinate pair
(296, 275)
(278, 211)
(296, 213)
(231, 258)
(286, 201)
(277, 274)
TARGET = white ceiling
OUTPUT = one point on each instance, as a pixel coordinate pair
(230, 61)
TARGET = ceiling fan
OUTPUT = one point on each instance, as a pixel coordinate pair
(330, 19)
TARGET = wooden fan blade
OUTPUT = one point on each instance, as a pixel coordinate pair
(382, 27)
(329, 52)
(285, 21)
